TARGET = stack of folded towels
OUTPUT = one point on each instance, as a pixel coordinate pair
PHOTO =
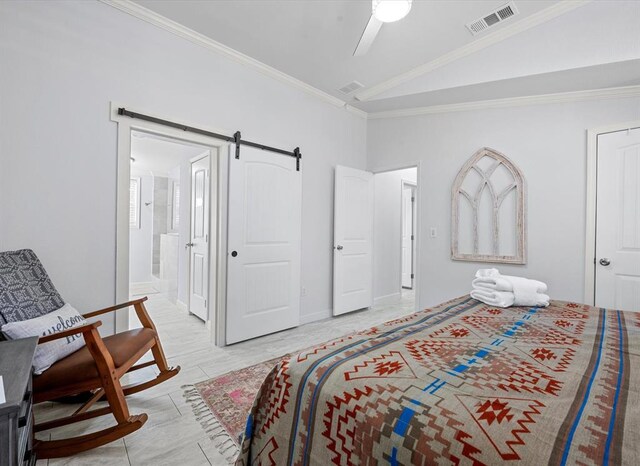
(504, 290)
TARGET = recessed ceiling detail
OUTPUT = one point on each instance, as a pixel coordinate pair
(504, 12)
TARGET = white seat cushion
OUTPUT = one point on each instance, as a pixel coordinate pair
(55, 322)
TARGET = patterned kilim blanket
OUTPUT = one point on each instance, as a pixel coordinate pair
(462, 383)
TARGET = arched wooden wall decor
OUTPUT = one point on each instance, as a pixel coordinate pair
(488, 210)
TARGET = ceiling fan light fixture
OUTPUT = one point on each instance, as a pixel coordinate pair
(389, 11)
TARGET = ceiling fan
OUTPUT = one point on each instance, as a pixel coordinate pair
(382, 11)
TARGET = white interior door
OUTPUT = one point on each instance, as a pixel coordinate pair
(265, 228)
(408, 198)
(199, 240)
(353, 240)
(618, 221)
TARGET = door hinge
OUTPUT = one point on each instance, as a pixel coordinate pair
(412, 276)
(413, 199)
(412, 238)
(205, 303)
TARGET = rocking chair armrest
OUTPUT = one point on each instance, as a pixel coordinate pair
(84, 329)
(114, 308)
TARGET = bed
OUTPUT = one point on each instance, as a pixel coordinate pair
(461, 383)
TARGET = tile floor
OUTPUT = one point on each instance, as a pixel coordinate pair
(172, 435)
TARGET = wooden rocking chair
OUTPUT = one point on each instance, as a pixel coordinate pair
(96, 368)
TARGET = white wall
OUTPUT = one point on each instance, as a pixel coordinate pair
(548, 142)
(141, 239)
(62, 65)
(387, 232)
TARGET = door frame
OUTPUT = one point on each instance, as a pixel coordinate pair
(414, 211)
(401, 166)
(220, 152)
(591, 205)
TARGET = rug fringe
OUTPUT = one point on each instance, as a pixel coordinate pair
(222, 440)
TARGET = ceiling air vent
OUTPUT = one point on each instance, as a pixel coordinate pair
(351, 87)
(493, 18)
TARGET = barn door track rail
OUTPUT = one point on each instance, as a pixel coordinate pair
(236, 138)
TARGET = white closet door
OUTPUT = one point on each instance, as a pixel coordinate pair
(353, 240)
(264, 235)
(618, 221)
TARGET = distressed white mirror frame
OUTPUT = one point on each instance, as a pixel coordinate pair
(458, 194)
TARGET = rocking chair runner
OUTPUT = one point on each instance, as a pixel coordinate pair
(27, 292)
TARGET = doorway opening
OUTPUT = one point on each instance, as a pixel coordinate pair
(169, 227)
(395, 237)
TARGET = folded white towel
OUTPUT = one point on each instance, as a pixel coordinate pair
(493, 280)
(525, 293)
(493, 298)
(495, 289)
(507, 298)
(532, 299)
(538, 286)
(498, 283)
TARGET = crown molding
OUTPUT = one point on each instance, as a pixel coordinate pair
(528, 22)
(574, 96)
(178, 29)
(356, 111)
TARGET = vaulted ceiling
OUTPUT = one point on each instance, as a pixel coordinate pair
(429, 57)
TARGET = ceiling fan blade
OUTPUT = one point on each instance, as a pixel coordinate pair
(368, 36)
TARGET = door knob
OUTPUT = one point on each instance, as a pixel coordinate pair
(604, 261)
(188, 245)
(339, 247)
(234, 253)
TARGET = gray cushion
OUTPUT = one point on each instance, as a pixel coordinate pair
(26, 291)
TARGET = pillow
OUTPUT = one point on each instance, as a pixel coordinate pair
(55, 322)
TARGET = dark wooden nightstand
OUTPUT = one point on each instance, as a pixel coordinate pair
(16, 417)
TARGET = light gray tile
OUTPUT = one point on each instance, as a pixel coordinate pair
(114, 454)
(213, 455)
(172, 434)
(168, 443)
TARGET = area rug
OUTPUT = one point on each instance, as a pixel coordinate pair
(222, 404)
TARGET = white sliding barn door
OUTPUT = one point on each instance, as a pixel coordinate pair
(353, 240)
(618, 221)
(199, 239)
(264, 235)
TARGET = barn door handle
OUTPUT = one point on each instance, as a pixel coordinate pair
(604, 261)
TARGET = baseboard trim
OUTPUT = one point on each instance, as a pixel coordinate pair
(315, 316)
(182, 306)
(392, 298)
(140, 284)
